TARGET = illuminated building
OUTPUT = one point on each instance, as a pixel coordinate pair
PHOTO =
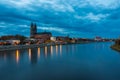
(43, 36)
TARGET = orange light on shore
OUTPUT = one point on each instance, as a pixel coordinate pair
(17, 56)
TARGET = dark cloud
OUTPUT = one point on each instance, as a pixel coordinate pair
(79, 18)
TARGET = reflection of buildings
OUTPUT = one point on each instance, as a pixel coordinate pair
(60, 49)
(38, 53)
(57, 50)
(51, 50)
(43, 36)
(13, 56)
(47, 51)
(17, 56)
(29, 54)
(33, 56)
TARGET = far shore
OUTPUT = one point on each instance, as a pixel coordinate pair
(19, 47)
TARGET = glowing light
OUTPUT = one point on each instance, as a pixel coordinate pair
(38, 52)
(57, 49)
(29, 54)
(60, 49)
(17, 56)
(51, 50)
(45, 51)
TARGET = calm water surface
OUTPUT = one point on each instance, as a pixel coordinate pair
(93, 61)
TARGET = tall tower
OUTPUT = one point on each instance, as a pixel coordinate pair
(33, 29)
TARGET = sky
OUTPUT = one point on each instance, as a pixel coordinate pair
(76, 18)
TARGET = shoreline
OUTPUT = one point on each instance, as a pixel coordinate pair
(19, 47)
(116, 47)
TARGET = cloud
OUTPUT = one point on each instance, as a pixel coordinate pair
(56, 29)
(97, 17)
(74, 17)
(105, 4)
(93, 17)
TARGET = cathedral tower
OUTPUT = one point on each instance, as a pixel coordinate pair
(33, 29)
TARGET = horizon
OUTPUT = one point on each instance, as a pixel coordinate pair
(84, 18)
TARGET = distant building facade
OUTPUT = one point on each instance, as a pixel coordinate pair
(53, 38)
(39, 35)
(98, 38)
(14, 41)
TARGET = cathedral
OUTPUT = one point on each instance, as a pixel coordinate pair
(39, 35)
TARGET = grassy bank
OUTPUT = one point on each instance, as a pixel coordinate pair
(116, 47)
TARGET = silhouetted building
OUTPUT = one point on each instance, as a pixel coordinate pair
(41, 35)
(33, 29)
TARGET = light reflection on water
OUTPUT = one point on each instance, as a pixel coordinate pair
(56, 50)
(60, 50)
(38, 52)
(17, 56)
(51, 49)
(46, 52)
(29, 53)
(35, 53)
(72, 62)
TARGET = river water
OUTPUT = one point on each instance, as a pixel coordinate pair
(93, 61)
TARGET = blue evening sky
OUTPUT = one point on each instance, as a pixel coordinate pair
(78, 18)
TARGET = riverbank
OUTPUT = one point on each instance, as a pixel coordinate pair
(116, 47)
(18, 47)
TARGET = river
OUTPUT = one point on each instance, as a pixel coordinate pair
(92, 61)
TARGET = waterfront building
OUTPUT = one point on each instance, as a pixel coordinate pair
(39, 35)
(2, 42)
(98, 38)
(33, 29)
(13, 41)
(62, 38)
(53, 39)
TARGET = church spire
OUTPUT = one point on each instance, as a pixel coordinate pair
(32, 24)
(33, 29)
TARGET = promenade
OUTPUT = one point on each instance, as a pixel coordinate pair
(12, 47)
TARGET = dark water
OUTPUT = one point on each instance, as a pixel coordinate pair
(94, 61)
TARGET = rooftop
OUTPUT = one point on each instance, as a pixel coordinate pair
(44, 33)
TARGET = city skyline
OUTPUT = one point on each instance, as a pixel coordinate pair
(78, 18)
